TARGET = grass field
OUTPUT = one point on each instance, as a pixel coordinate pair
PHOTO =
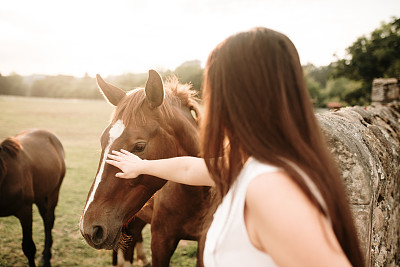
(78, 124)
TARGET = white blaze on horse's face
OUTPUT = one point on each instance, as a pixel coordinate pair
(116, 130)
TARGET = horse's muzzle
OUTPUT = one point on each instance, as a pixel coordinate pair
(98, 237)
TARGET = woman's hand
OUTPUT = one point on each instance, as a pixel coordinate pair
(127, 162)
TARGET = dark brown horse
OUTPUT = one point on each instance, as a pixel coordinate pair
(154, 122)
(32, 168)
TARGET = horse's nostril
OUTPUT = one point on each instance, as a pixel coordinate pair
(98, 234)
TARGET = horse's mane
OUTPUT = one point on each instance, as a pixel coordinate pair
(175, 94)
(10, 147)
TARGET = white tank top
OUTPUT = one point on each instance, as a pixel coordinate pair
(227, 243)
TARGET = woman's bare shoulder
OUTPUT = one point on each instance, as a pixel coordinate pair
(282, 220)
(274, 186)
(278, 194)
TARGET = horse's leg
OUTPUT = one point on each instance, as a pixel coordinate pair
(46, 209)
(28, 246)
(124, 255)
(119, 255)
(138, 240)
(135, 229)
(163, 245)
(145, 215)
(115, 257)
(141, 254)
(129, 251)
(200, 250)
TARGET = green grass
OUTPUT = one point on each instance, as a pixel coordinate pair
(78, 124)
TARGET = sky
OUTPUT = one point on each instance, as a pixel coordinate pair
(74, 37)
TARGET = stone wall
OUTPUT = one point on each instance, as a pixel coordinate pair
(366, 144)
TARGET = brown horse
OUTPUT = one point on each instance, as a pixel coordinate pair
(154, 122)
(32, 168)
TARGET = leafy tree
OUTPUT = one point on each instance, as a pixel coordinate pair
(62, 86)
(319, 74)
(314, 89)
(316, 80)
(13, 85)
(371, 57)
(53, 86)
(342, 90)
(190, 72)
(85, 87)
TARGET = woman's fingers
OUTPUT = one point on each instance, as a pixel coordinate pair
(122, 175)
(121, 155)
(113, 162)
(115, 152)
(118, 156)
(119, 175)
(126, 152)
(111, 156)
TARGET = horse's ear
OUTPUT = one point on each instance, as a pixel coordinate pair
(110, 92)
(154, 89)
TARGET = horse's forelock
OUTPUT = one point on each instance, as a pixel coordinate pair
(176, 94)
(130, 107)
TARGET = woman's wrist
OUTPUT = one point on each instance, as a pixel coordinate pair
(145, 167)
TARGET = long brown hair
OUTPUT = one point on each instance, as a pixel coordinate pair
(257, 105)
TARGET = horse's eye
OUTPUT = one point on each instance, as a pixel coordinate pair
(139, 147)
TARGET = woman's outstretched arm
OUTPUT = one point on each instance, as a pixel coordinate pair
(185, 170)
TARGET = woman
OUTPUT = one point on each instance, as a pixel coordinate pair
(282, 202)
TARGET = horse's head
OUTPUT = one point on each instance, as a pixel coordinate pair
(154, 122)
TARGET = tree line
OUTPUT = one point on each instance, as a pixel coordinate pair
(347, 81)
(64, 86)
